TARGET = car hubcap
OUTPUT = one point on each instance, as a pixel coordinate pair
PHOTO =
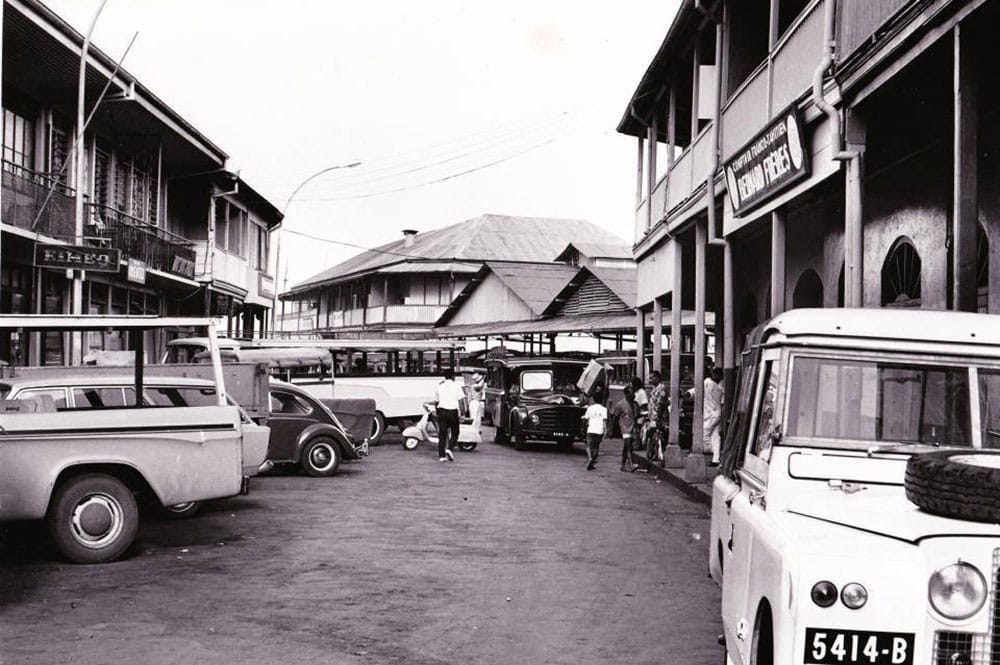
(97, 520)
(321, 457)
(411, 444)
(181, 507)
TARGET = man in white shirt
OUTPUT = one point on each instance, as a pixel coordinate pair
(596, 416)
(449, 396)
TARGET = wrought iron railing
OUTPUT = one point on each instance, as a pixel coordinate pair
(157, 248)
(27, 193)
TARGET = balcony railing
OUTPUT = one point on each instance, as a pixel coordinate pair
(156, 247)
(784, 77)
(25, 192)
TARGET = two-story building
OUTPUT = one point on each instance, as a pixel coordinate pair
(162, 228)
(798, 153)
(402, 288)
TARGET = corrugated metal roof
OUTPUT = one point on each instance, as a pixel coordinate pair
(534, 283)
(481, 239)
(623, 281)
(597, 250)
(429, 266)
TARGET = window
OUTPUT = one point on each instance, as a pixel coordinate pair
(288, 404)
(901, 276)
(97, 398)
(221, 224)
(536, 381)
(868, 400)
(808, 290)
(58, 395)
(18, 139)
(989, 407)
(180, 396)
(762, 439)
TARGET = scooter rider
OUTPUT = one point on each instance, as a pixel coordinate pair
(449, 397)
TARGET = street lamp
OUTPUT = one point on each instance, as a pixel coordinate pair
(277, 237)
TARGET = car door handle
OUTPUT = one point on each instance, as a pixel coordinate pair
(755, 496)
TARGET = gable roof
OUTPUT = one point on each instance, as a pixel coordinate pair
(592, 289)
(536, 284)
(481, 239)
(597, 250)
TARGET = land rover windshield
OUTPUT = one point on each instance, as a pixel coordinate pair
(558, 378)
(864, 402)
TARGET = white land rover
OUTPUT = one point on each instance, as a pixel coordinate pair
(855, 518)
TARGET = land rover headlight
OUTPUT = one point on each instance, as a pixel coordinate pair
(957, 591)
(535, 419)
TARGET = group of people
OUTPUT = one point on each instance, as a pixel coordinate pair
(645, 419)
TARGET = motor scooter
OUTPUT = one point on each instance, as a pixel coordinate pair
(414, 435)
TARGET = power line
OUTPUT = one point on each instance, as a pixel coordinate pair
(350, 244)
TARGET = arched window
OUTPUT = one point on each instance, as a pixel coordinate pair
(982, 269)
(901, 276)
(808, 290)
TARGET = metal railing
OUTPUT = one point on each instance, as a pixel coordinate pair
(157, 248)
(25, 192)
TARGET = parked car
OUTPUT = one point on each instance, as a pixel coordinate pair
(535, 399)
(81, 470)
(304, 431)
(855, 519)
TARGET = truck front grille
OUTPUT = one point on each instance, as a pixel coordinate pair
(952, 647)
(560, 419)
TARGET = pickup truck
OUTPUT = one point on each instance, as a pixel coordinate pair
(81, 473)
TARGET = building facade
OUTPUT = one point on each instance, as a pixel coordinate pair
(402, 288)
(162, 227)
(816, 153)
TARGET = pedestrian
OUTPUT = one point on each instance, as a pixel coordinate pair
(626, 414)
(712, 410)
(476, 400)
(449, 397)
(659, 415)
(596, 416)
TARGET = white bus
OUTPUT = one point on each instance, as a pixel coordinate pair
(400, 375)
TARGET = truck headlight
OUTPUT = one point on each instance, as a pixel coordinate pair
(854, 595)
(824, 593)
(957, 591)
(534, 419)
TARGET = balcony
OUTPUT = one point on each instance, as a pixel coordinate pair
(157, 248)
(25, 193)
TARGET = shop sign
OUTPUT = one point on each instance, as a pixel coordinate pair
(265, 287)
(136, 271)
(95, 259)
(774, 159)
(182, 266)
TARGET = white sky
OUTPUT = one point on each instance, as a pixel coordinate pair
(415, 90)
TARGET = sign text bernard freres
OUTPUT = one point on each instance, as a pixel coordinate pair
(774, 159)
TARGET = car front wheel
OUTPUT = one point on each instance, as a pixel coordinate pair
(320, 457)
(93, 518)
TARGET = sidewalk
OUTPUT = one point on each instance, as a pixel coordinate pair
(699, 491)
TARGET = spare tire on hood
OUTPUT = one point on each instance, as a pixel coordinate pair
(963, 484)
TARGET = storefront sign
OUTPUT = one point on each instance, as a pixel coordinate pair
(95, 259)
(182, 266)
(774, 159)
(136, 271)
(265, 287)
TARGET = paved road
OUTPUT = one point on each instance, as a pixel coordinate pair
(501, 557)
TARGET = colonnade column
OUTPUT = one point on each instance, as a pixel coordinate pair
(640, 342)
(777, 261)
(694, 468)
(965, 186)
(672, 455)
(658, 335)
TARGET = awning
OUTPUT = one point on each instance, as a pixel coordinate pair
(583, 323)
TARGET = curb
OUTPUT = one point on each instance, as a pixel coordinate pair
(701, 492)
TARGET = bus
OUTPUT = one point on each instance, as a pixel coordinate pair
(400, 375)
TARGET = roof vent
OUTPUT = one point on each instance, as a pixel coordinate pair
(408, 237)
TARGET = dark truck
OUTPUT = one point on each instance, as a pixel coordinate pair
(535, 399)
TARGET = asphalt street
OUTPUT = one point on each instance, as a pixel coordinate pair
(501, 557)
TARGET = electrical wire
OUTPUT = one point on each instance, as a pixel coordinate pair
(350, 244)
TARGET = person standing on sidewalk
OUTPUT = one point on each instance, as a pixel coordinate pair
(659, 415)
(596, 416)
(449, 396)
(713, 413)
(626, 413)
